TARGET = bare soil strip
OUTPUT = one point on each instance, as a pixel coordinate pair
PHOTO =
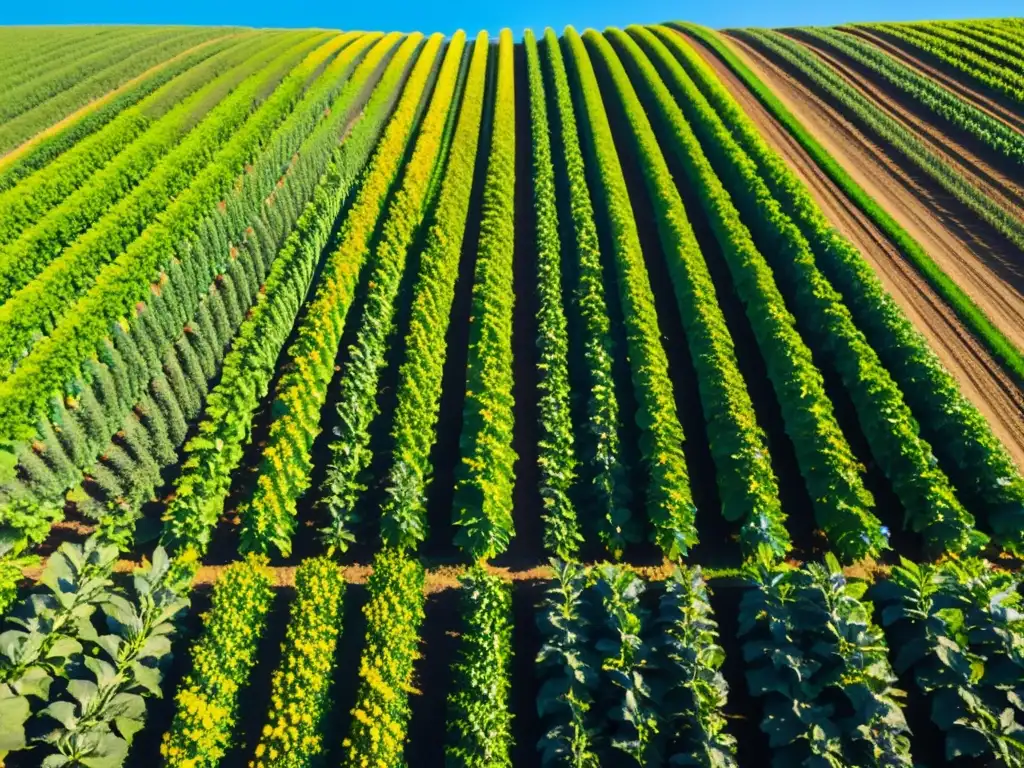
(979, 374)
(950, 78)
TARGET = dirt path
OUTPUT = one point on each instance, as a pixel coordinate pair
(979, 375)
(96, 103)
(955, 81)
(996, 177)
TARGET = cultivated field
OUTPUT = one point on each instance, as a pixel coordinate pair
(641, 397)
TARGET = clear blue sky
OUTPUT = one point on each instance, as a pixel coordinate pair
(472, 15)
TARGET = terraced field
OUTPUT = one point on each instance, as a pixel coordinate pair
(641, 397)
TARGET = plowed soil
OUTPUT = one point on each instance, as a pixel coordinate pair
(994, 282)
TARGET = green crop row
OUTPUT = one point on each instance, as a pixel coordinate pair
(268, 520)
(842, 505)
(208, 698)
(51, 279)
(482, 510)
(479, 720)
(606, 489)
(890, 429)
(216, 450)
(1000, 79)
(403, 514)
(356, 404)
(670, 506)
(556, 446)
(957, 111)
(123, 63)
(979, 465)
(746, 480)
(36, 196)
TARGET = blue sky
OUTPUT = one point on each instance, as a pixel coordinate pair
(472, 15)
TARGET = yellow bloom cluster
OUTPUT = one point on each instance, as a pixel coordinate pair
(222, 659)
(393, 618)
(299, 688)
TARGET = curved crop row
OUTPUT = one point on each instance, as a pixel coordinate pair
(394, 614)
(967, 42)
(403, 514)
(268, 520)
(125, 282)
(482, 509)
(31, 51)
(356, 405)
(1003, 48)
(843, 506)
(890, 429)
(959, 112)
(123, 64)
(606, 486)
(300, 687)
(45, 280)
(669, 503)
(218, 446)
(889, 130)
(479, 720)
(556, 454)
(968, 451)
(747, 483)
(819, 664)
(45, 147)
(86, 162)
(223, 658)
(997, 78)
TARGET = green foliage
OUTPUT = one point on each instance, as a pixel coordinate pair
(980, 467)
(393, 618)
(299, 697)
(556, 446)
(670, 507)
(479, 720)
(819, 664)
(403, 514)
(269, 519)
(482, 510)
(606, 489)
(747, 483)
(356, 404)
(956, 629)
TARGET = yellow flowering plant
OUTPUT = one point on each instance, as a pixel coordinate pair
(222, 660)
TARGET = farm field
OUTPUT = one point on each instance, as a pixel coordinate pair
(651, 396)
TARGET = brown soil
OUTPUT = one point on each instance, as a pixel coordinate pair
(993, 103)
(963, 256)
(96, 103)
(996, 177)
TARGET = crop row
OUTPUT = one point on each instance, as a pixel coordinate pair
(932, 510)
(968, 451)
(356, 404)
(622, 684)
(602, 473)
(669, 504)
(403, 513)
(953, 52)
(746, 480)
(482, 509)
(63, 91)
(957, 111)
(84, 165)
(218, 446)
(269, 517)
(831, 472)
(51, 279)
